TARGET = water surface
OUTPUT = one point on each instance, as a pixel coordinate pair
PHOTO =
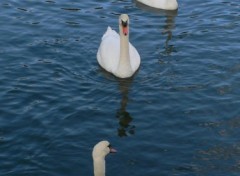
(179, 115)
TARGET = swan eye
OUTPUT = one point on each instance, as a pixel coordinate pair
(124, 23)
(109, 146)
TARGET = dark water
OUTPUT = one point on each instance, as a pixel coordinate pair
(179, 115)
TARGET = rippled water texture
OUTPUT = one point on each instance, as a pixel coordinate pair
(179, 115)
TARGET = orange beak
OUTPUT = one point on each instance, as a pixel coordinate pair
(125, 30)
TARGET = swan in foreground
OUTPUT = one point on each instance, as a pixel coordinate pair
(161, 4)
(101, 150)
(116, 54)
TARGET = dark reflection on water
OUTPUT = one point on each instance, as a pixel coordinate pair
(167, 28)
(124, 117)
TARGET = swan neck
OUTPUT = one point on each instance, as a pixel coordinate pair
(124, 69)
(124, 47)
(99, 166)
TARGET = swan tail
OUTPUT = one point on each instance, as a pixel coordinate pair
(110, 32)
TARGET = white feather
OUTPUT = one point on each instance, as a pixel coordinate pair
(108, 54)
(161, 4)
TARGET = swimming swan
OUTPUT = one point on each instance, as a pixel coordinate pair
(100, 150)
(116, 54)
(161, 4)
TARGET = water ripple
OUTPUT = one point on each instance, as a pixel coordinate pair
(179, 113)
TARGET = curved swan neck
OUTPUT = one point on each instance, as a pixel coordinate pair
(99, 166)
(124, 66)
(124, 47)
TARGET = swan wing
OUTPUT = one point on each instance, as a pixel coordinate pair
(134, 57)
(109, 50)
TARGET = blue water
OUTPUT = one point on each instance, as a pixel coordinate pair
(179, 115)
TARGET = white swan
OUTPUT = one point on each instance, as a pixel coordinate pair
(116, 54)
(161, 4)
(100, 150)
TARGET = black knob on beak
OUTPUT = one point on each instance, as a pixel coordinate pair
(124, 23)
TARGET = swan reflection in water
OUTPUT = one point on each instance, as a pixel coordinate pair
(168, 26)
(125, 128)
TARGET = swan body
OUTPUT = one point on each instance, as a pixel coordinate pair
(161, 4)
(100, 151)
(116, 54)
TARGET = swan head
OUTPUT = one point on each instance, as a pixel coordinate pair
(124, 24)
(102, 149)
